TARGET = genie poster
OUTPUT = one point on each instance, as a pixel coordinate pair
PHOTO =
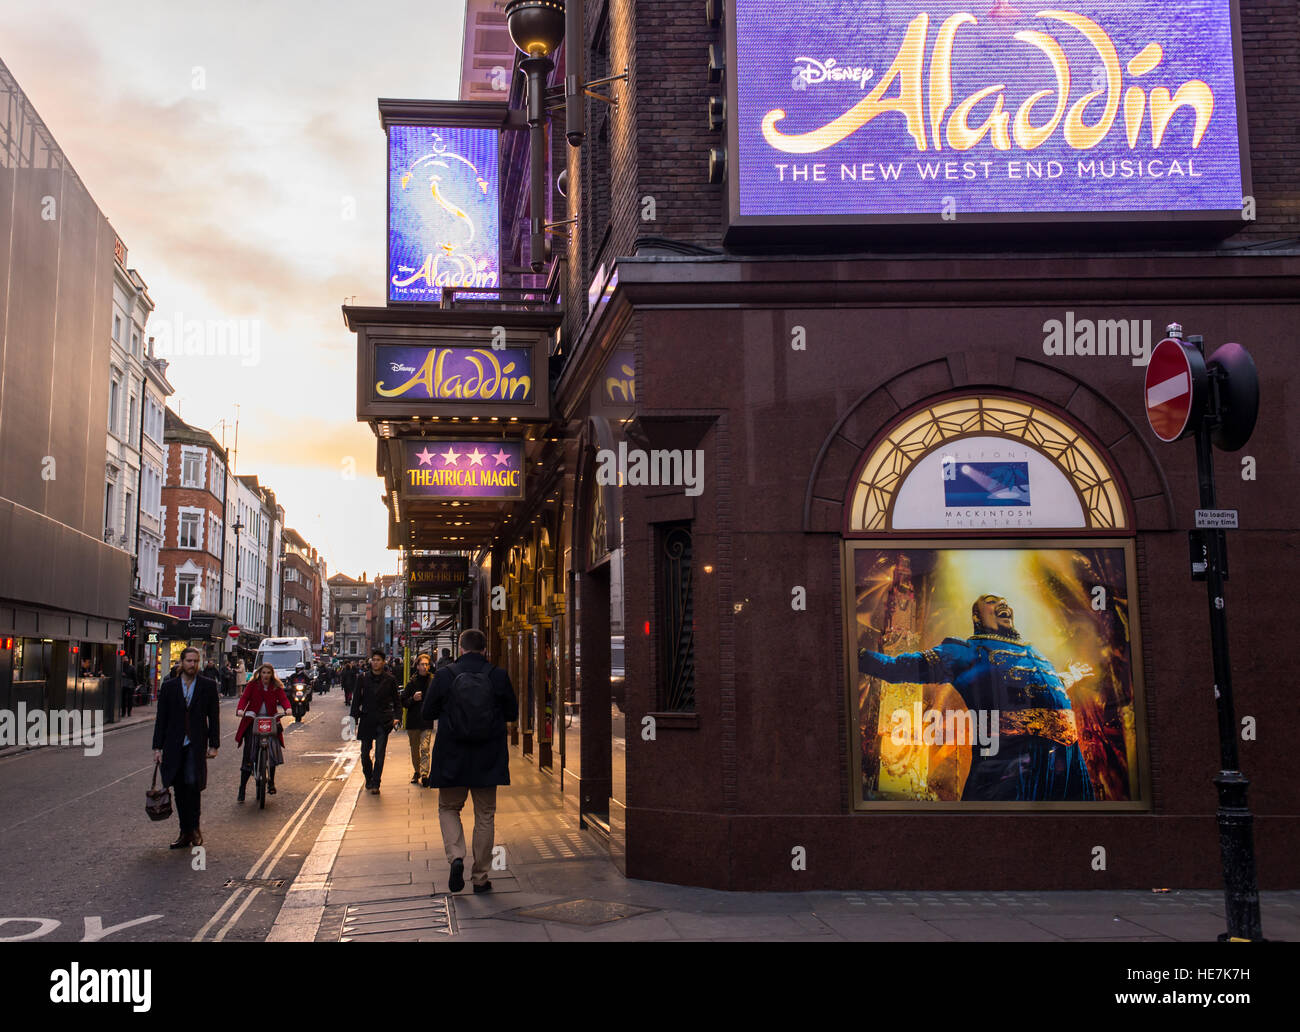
(956, 109)
(443, 211)
(997, 677)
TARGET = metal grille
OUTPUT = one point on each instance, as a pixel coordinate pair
(677, 626)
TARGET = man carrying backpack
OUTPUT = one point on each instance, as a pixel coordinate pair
(473, 701)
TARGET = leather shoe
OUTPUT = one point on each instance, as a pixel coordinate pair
(181, 842)
(456, 881)
(485, 887)
(196, 837)
(270, 788)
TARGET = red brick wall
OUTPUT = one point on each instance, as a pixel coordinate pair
(174, 497)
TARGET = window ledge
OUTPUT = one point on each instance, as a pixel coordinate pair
(677, 720)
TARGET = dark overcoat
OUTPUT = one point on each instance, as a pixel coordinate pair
(169, 727)
(458, 764)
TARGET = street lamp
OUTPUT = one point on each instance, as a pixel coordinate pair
(239, 525)
(537, 29)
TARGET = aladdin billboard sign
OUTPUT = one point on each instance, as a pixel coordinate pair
(463, 374)
(917, 112)
(443, 210)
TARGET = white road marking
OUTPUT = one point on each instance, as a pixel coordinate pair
(235, 918)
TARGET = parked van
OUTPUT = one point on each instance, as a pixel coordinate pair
(284, 654)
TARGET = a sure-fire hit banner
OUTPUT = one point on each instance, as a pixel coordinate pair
(437, 574)
(463, 469)
(999, 676)
(443, 213)
(1002, 106)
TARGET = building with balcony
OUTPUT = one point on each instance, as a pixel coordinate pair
(300, 591)
(350, 615)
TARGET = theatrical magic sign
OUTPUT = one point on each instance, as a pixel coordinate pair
(443, 210)
(992, 111)
(437, 574)
(462, 469)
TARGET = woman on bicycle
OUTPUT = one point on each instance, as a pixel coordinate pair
(263, 697)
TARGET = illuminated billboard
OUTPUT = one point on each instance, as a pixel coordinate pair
(987, 111)
(443, 210)
(462, 469)
(995, 674)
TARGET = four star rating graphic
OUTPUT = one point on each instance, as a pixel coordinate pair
(451, 457)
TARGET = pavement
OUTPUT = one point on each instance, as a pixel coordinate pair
(378, 873)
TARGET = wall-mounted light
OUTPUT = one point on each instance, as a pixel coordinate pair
(717, 62)
(717, 112)
(713, 11)
(717, 164)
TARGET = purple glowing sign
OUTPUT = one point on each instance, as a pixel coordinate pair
(463, 469)
(952, 110)
(452, 374)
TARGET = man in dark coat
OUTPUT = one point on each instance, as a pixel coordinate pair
(349, 679)
(469, 760)
(187, 719)
(375, 708)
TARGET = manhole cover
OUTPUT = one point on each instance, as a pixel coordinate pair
(584, 911)
(414, 917)
(261, 883)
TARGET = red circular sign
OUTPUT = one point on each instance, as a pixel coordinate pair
(415, 627)
(1172, 388)
(233, 632)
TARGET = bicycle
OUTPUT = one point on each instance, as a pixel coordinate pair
(262, 764)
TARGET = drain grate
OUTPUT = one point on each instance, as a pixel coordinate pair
(259, 883)
(413, 917)
(584, 911)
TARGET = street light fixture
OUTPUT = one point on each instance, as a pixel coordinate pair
(239, 525)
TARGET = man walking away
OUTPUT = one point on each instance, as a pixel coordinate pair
(349, 681)
(375, 705)
(473, 701)
(445, 659)
(417, 729)
(187, 719)
(128, 687)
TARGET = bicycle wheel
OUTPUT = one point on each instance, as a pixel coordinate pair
(261, 776)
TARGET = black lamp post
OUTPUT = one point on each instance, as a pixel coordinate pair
(239, 525)
(537, 29)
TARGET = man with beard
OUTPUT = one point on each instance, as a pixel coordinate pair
(1038, 758)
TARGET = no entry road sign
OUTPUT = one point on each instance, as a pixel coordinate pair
(1175, 385)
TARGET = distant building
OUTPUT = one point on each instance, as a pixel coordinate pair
(350, 615)
(300, 591)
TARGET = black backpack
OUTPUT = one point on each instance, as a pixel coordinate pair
(470, 714)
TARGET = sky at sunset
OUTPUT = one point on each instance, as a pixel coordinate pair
(236, 150)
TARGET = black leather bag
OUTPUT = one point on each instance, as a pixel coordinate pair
(157, 801)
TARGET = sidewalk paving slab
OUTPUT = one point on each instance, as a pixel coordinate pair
(385, 876)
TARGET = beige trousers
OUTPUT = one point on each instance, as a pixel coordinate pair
(450, 802)
(421, 744)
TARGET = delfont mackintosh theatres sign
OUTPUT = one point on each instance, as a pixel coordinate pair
(462, 469)
(925, 111)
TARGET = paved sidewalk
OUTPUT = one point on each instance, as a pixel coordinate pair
(378, 873)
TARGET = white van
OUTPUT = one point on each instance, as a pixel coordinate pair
(284, 654)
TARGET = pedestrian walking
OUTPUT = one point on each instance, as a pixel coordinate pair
(187, 720)
(418, 730)
(473, 701)
(445, 659)
(227, 678)
(128, 687)
(375, 703)
(241, 673)
(263, 696)
(349, 681)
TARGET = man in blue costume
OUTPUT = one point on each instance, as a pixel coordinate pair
(1038, 757)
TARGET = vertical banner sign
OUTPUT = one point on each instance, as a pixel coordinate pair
(443, 210)
(910, 109)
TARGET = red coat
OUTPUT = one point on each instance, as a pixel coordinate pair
(251, 701)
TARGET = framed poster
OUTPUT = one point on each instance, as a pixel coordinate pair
(994, 675)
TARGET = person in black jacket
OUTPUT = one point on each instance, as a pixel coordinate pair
(473, 702)
(418, 730)
(349, 679)
(128, 687)
(187, 718)
(375, 704)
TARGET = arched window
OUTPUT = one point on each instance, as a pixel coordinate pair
(991, 623)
